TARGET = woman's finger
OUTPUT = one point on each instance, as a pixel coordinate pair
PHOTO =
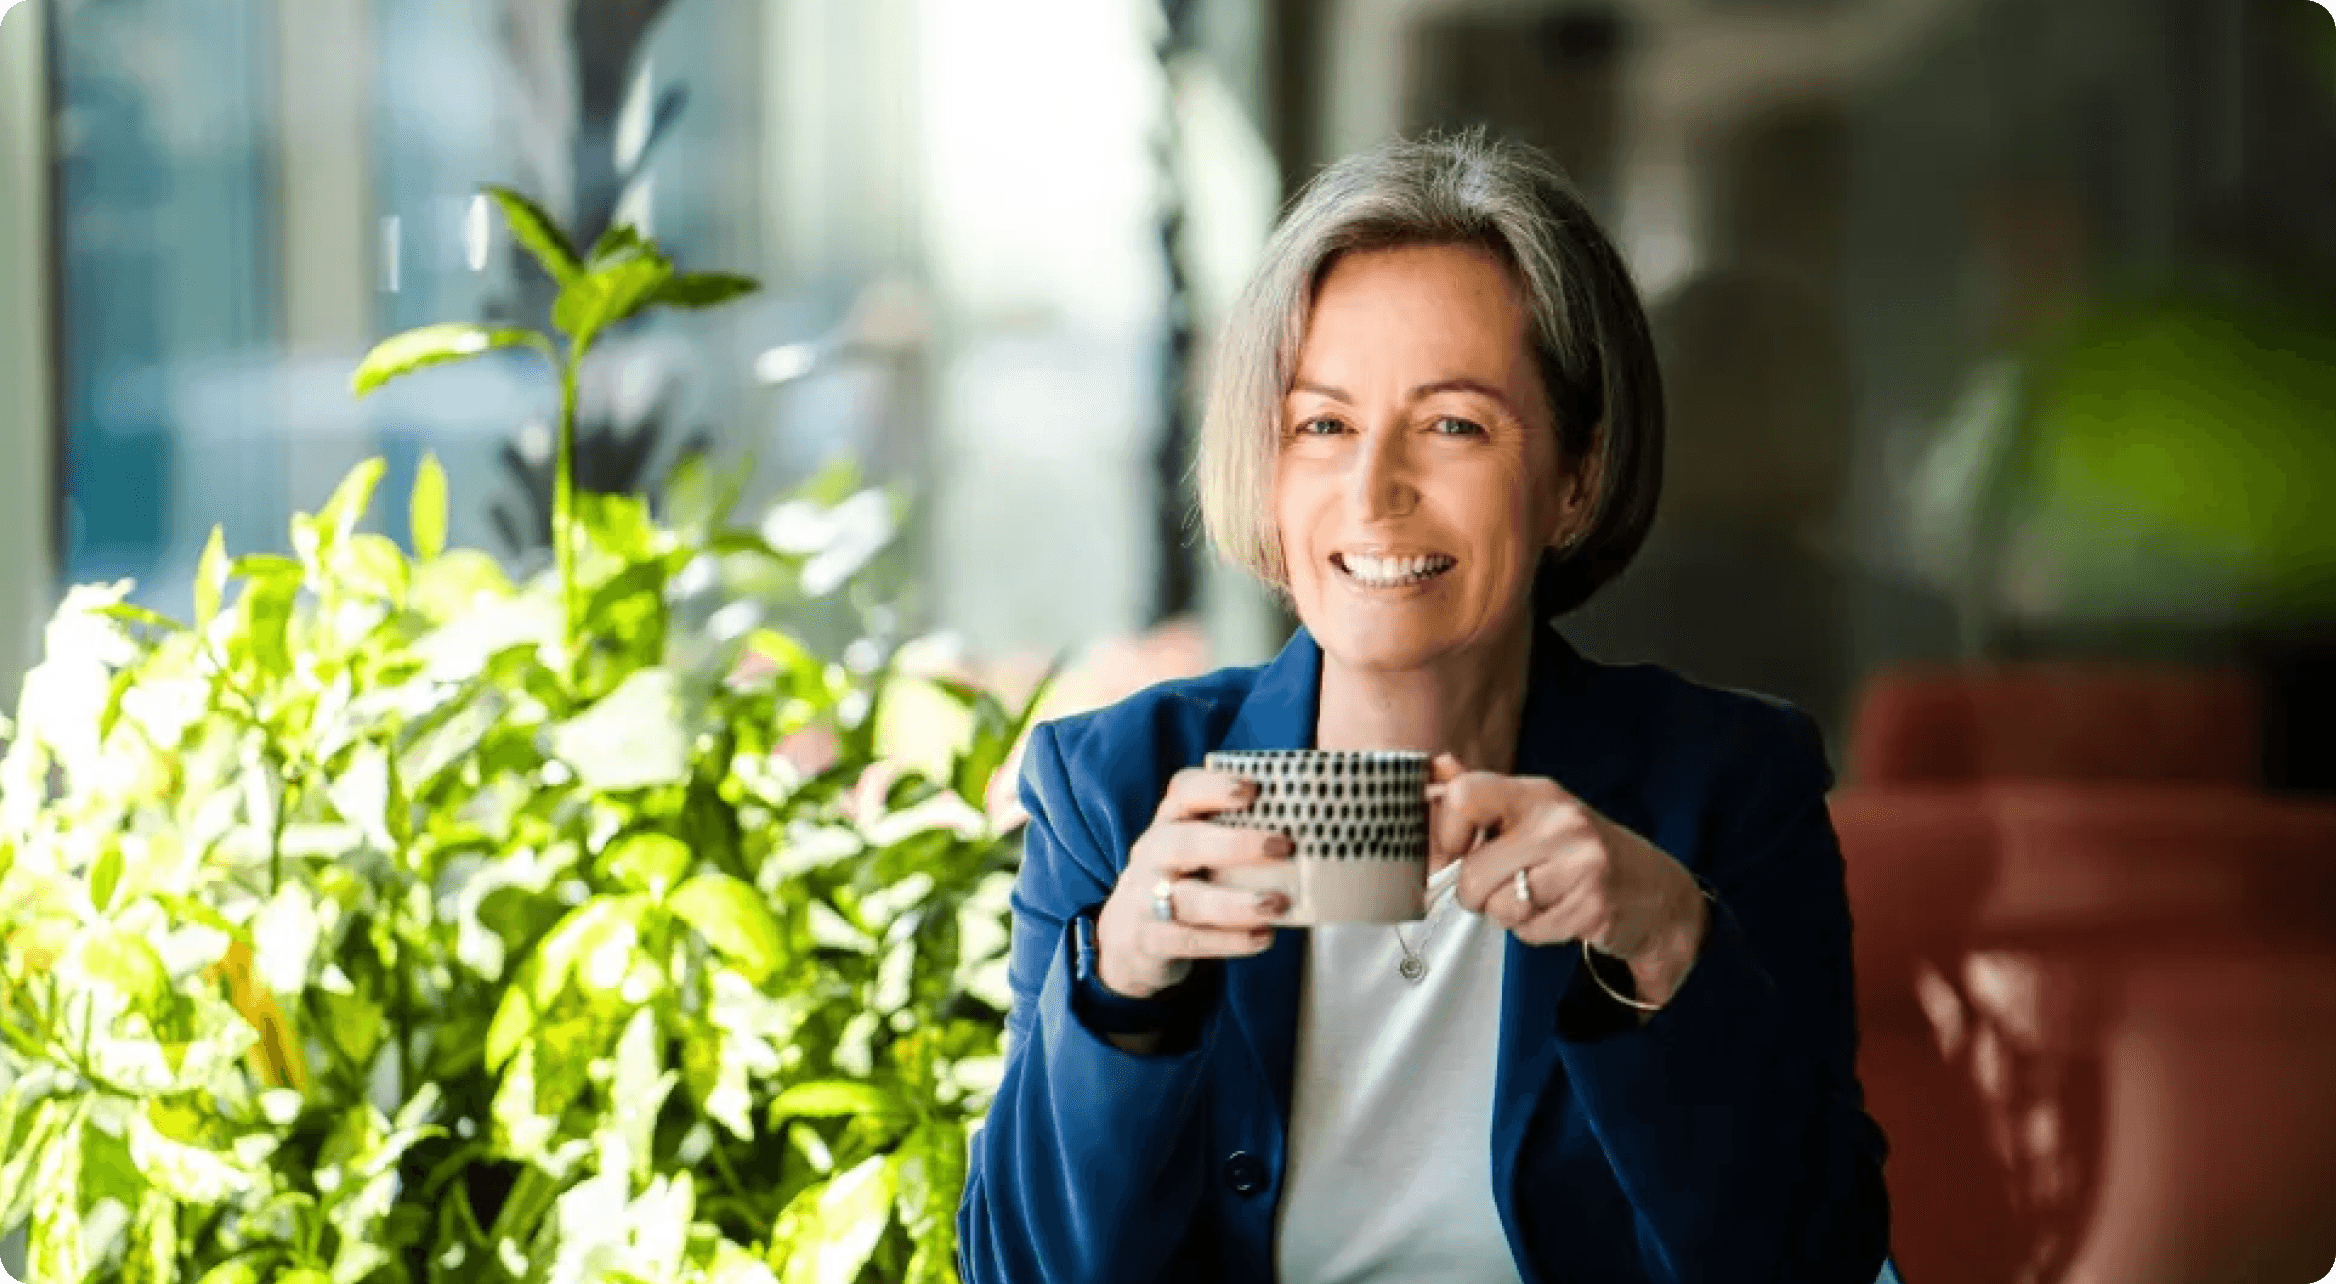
(1171, 941)
(1200, 904)
(1570, 915)
(1480, 802)
(1195, 793)
(1488, 871)
(1558, 841)
(1196, 847)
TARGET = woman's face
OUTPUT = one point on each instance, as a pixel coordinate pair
(1419, 477)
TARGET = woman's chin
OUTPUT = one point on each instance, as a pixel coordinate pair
(1399, 633)
(1387, 644)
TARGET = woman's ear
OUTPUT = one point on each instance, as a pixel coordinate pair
(1577, 496)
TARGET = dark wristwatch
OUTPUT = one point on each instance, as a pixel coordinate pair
(1101, 1008)
(1178, 1014)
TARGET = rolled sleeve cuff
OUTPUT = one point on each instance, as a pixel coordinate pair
(1102, 1094)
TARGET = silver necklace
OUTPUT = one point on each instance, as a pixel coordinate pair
(1414, 965)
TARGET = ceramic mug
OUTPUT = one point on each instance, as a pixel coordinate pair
(1359, 820)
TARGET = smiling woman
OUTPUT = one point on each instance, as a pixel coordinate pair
(1554, 338)
(1419, 468)
(1621, 1047)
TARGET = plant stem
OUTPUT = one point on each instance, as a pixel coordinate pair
(564, 504)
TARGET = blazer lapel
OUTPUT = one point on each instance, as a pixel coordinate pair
(1262, 991)
(1570, 734)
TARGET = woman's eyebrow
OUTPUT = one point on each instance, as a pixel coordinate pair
(1477, 386)
(1420, 393)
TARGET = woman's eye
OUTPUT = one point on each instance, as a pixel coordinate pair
(1450, 427)
(1321, 427)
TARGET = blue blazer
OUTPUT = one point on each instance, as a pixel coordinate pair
(1725, 1140)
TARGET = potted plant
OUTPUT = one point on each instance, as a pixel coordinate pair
(389, 920)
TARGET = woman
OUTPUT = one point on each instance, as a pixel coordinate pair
(1436, 425)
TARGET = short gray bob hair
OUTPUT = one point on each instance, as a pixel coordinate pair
(1588, 331)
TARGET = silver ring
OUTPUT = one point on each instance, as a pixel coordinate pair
(1164, 900)
(1524, 887)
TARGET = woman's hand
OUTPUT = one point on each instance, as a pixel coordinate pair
(1139, 954)
(1586, 878)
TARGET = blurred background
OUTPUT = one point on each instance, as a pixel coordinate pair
(1999, 334)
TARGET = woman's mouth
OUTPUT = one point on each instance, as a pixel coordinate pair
(1391, 572)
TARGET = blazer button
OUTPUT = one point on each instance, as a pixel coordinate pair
(1245, 1173)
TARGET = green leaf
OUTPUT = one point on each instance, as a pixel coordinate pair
(266, 618)
(354, 1023)
(934, 1261)
(688, 499)
(194, 911)
(632, 738)
(19, 1165)
(646, 861)
(535, 230)
(153, 1253)
(833, 484)
(932, 1175)
(752, 544)
(349, 502)
(261, 566)
(994, 740)
(126, 962)
(365, 796)
(618, 524)
(619, 239)
(609, 294)
(56, 1251)
(117, 689)
(582, 943)
(104, 877)
(211, 578)
(805, 676)
(514, 1020)
(133, 614)
(431, 345)
(734, 1265)
(835, 1099)
(428, 511)
(732, 917)
(705, 289)
(239, 1270)
(638, 1088)
(189, 1174)
(374, 566)
(827, 1233)
(520, 1128)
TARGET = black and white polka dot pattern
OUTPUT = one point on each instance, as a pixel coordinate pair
(1335, 804)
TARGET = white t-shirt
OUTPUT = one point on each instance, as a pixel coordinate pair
(1390, 1152)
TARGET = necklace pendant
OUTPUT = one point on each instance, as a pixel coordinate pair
(1412, 968)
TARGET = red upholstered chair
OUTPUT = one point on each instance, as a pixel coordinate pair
(2062, 723)
(2097, 979)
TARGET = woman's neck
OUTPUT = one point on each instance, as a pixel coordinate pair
(1468, 705)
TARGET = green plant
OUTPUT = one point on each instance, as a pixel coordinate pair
(392, 921)
(621, 277)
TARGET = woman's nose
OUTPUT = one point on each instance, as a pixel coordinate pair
(1382, 482)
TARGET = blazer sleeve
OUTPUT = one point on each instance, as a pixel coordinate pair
(1733, 1118)
(1089, 1164)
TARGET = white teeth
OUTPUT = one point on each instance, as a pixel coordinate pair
(1383, 572)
